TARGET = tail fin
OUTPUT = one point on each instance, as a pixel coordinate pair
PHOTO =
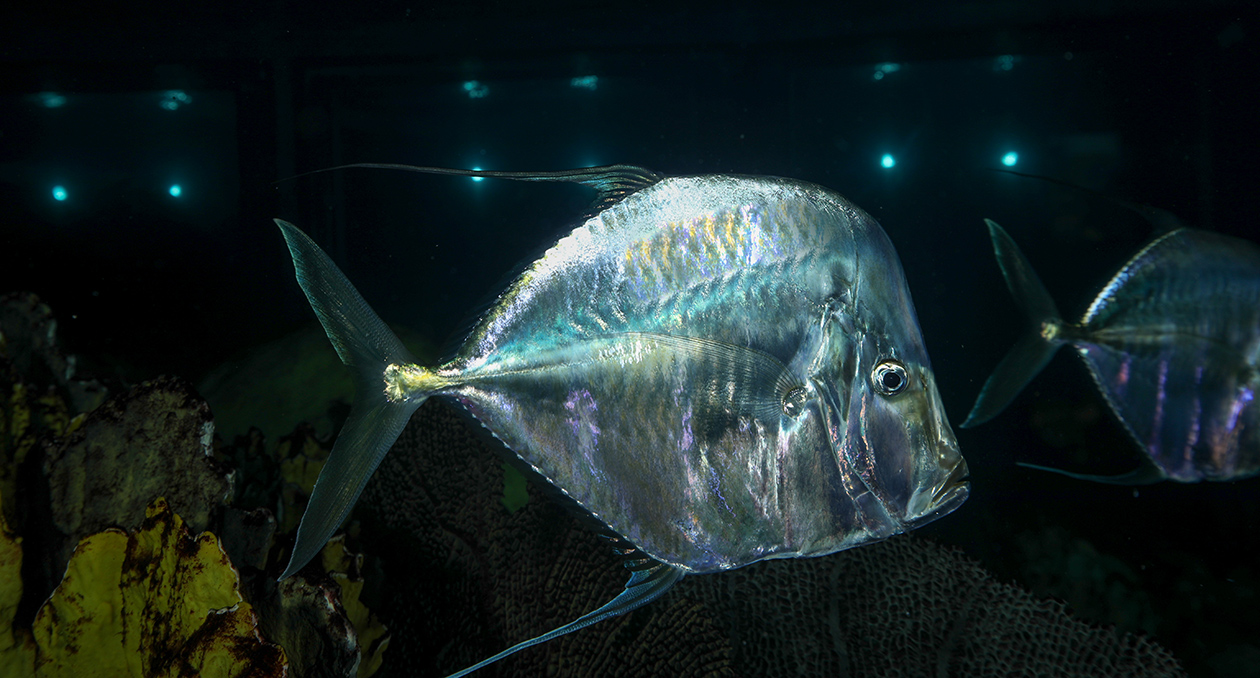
(1031, 353)
(368, 347)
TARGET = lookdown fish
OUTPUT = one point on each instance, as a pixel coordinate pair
(1172, 341)
(721, 369)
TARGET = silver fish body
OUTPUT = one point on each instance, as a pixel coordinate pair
(1173, 343)
(694, 366)
(721, 369)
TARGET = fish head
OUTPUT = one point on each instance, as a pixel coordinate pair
(900, 444)
(888, 428)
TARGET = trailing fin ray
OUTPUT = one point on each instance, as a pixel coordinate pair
(1145, 474)
(367, 346)
(1031, 353)
(645, 585)
(613, 182)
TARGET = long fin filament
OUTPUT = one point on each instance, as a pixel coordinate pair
(645, 585)
(1145, 474)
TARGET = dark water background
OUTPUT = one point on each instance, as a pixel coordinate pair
(1153, 102)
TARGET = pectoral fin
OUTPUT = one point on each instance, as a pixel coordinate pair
(645, 585)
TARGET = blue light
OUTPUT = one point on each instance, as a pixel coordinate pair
(172, 99)
(887, 161)
(587, 82)
(52, 99)
(59, 193)
(1010, 159)
(884, 69)
(1005, 62)
(478, 169)
(475, 89)
(175, 190)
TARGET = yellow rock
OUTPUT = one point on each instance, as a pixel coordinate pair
(151, 603)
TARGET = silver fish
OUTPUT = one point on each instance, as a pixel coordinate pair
(721, 369)
(1172, 342)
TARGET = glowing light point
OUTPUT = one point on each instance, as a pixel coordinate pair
(887, 162)
(59, 193)
(175, 190)
(475, 89)
(1010, 159)
(478, 169)
(884, 69)
(172, 99)
(1005, 62)
(52, 99)
(587, 82)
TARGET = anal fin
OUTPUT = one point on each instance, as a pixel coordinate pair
(647, 583)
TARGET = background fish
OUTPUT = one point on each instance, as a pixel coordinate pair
(721, 369)
(1172, 342)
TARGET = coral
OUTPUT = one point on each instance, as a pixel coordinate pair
(25, 415)
(17, 650)
(371, 636)
(485, 578)
(301, 457)
(318, 618)
(154, 602)
(28, 341)
(910, 607)
(304, 617)
(248, 537)
(85, 476)
(39, 391)
(154, 440)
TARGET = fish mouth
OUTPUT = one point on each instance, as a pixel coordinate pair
(948, 495)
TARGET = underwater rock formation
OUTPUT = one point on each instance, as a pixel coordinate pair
(28, 343)
(319, 619)
(469, 578)
(152, 602)
(154, 440)
(40, 393)
(97, 574)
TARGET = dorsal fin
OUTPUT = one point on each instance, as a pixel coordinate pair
(613, 182)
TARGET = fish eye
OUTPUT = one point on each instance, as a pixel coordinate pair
(794, 401)
(889, 378)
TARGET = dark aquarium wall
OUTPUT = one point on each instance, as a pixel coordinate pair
(145, 149)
